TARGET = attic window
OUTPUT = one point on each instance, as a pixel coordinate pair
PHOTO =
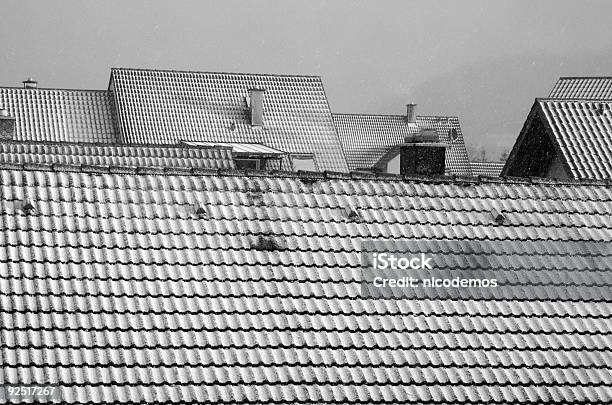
(201, 212)
(303, 162)
(248, 164)
(453, 135)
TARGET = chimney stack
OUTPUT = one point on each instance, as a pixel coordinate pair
(411, 113)
(256, 108)
(30, 83)
(423, 154)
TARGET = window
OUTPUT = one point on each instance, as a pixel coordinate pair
(303, 162)
(248, 164)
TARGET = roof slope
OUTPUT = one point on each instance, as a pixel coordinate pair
(156, 106)
(487, 168)
(583, 131)
(116, 155)
(122, 287)
(60, 115)
(599, 88)
(366, 138)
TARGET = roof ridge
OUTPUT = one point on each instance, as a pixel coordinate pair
(139, 145)
(327, 175)
(395, 115)
(590, 100)
(52, 89)
(211, 72)
(584, 77)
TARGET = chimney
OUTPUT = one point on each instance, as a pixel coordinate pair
(256, 108)
(7, 125)
(30, 83)
(411, 113)
(423, 154)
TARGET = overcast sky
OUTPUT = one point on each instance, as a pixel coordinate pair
(484, 61)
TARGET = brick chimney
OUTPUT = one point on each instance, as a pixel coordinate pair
(423, 154)
(256, 107)
(30, 83)
(411, 113)
(7, 125)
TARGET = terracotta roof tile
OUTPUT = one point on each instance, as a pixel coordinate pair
(583, 131)
(60, 115)
(599, 88)
(487, 168)
(125, 287)
(367, 138)
(115, 155)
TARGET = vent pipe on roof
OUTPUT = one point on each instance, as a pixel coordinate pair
(411, 113)
(256, 109)
(30, 83)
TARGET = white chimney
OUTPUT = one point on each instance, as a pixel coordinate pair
(256, 108)
(411, 113)
(30, 83)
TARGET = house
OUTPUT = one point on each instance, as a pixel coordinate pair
(287, 117)
(568, 135)
(160, 272)
(374, 141)
(487, 168)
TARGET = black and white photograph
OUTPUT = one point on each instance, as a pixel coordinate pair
(306, 202)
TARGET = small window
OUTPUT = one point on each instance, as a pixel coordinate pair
(248, 164)
(303, 162)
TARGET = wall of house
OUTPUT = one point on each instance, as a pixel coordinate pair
(556, 170)
(535, 154)
(393, 165)
(304, 163)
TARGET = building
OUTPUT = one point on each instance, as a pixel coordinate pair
(165, 273)
(373, 142)
(269, 121)
(568, 135)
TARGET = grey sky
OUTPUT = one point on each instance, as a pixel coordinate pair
(484, 61)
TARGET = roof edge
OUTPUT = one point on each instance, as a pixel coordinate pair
(137, 145)
(133, 69)
(569, 99)
(38, 89)
(318, 176)
(583, 77)
(394, 115)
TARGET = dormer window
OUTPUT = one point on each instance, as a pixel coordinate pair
(248, 164)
